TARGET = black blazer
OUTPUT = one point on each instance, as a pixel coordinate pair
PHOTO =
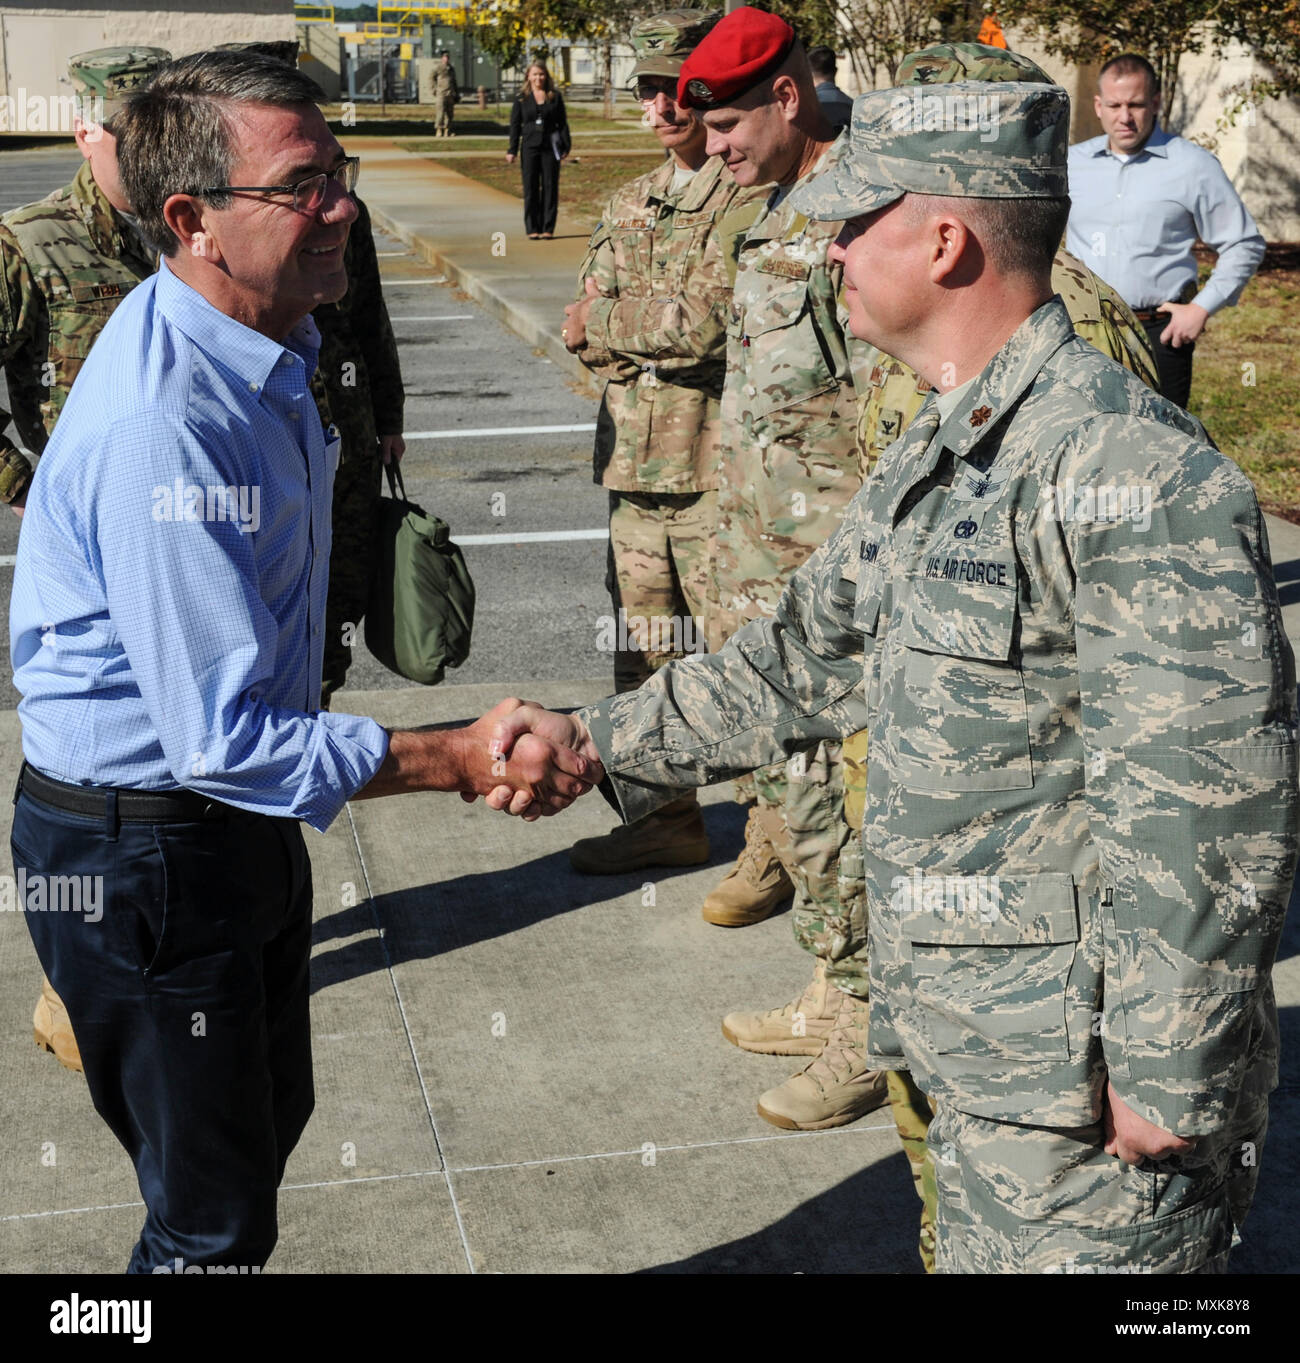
(525, 128)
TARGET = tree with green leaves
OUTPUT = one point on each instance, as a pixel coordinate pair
(1163, 31)
(875, 35)
(510, 29)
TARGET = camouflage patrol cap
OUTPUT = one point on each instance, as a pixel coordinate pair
(976, 139)
(947, 62)
(286, 52)
(105, 76)
(664, 41)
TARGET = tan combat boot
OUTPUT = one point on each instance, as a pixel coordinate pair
(672, 836)
(52, 1030)
(755, 887)
(837, 1088)
(800, 1028)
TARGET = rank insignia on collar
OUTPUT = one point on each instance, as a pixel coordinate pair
(980, 415)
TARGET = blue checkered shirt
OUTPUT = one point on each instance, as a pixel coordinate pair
(169, 595)
(1135, 222)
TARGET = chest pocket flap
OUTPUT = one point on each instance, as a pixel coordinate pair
(955, 698)
(963, 615)
(781, 304)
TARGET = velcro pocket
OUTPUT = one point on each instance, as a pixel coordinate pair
(991, 960)
(1189, 1241)
(975, 621)
(781, 305)
(959, 718)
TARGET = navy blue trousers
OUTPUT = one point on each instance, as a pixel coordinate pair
(1174, 365)
(189, 1001)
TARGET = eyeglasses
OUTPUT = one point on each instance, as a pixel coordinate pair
(308, 194)
(647, 91)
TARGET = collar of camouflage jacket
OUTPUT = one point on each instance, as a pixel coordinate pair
(111, 234)
(782, 222)
(696, 192)
(997, 389)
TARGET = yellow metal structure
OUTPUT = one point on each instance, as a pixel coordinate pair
(313, 14)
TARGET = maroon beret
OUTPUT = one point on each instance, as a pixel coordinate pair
(740, 50)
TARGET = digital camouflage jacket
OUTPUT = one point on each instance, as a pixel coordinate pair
(1056, 615)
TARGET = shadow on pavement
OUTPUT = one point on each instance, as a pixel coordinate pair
(868, 1223)
(428, 920)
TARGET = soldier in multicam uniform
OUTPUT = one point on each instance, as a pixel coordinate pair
(445, 95)
(789, 468)
(65, 263)
(891, 395)
(362, 380)
(655, 286)
(1053, 606)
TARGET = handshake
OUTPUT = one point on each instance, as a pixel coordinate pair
(527, 761)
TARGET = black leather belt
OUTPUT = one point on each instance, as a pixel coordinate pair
(1148, 315)
(127, 806)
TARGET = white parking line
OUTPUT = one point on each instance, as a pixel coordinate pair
(397, 283)
(500, 430)
(444, 317)
(533, 537)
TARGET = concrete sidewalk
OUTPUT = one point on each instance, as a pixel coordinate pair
(475, 235)
(518, 1069)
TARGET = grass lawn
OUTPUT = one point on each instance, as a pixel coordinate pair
(1257, 424)
(586, 181)
(410, 120)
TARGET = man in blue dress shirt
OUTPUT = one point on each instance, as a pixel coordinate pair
(166, 626)
(1140, 197)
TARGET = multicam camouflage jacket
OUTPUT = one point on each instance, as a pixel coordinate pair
(892, 393)
(1056, 614)
(657, 332)
(358, 383)
(789, 458)
(65, 263)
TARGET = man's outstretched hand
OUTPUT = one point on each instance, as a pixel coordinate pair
(516, 726)
(538, 774)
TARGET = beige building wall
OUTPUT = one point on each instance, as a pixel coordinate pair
(36, 40)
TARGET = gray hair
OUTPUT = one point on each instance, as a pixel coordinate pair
(175, 135)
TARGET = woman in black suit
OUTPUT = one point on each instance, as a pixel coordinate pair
(539, 128)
